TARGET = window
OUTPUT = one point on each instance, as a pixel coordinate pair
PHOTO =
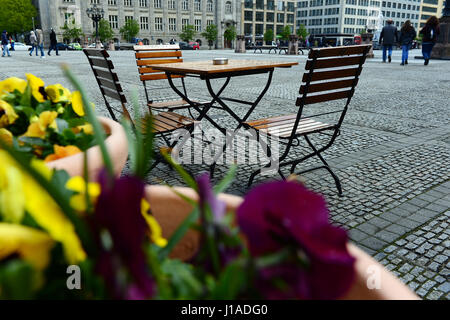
(280, 17)
(158, 24)
(112, 2)
(228, 8)
(259, 5)
(68, 18)
(248, 4)
(259, 16)
(172, 24)
(144, 23)
(157, 4)
(128, 3)
(185, 5)
(270, 17)
(171, 4)
(198, 25)
(128, 18)
(209, 6)
(248, 15)
(197, 5)
(184, 23)
(94, 1)
(209, 22)
(114, 22)
(143, 3)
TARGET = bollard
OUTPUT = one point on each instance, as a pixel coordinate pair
(240, 45)
(293, 45)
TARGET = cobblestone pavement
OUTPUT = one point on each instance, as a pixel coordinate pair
(392, 156)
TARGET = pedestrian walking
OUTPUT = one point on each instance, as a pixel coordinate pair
(12, 42)
(407, 36)
(53, 43)
(33, 42)
(5, 43)
(388, 37)
(40, 42)
(430, 33)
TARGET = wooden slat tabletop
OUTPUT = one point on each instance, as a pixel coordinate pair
(207, 67)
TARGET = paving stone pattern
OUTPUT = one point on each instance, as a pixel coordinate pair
(392, 155)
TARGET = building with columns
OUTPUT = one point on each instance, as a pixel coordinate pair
(159, 20)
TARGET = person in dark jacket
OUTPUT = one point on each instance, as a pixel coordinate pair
(407, 36)
(53, 43)
(5, 43)
(388, 37)
(430, 33)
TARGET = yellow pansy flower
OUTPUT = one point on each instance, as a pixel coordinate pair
(77, 103)
(44, 210)
(7, 114)
(57, 93)
(87, 128)
(62, 152)
(155, 228)
(6, 136)
(30, 244)
(37, 129)
(36, 84)
(12, 198)
(78, 201)
(11, 84)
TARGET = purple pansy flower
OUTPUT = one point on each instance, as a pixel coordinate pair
(281, 214)
(207, 196)
(118, 210)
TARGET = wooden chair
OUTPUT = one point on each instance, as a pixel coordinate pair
(164, 123)
(150, 55)
(331, 74)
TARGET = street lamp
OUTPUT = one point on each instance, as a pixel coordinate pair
(96, 14)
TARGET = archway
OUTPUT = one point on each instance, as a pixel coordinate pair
(159, 41)
(146, 42)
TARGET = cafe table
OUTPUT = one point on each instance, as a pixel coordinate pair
(207, 71)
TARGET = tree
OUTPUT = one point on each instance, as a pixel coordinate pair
(105, 32)
(188, 33)
(285, 33)
(72, 32)
(130, 30)
(230, 33)
(210, 34)
(302, 32)
(16, 15)
(268, 36)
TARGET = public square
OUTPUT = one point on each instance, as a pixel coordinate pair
(392, 155)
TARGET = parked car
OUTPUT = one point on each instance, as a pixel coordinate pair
(93, 45)
(76, 46)
(64, 47)
(19, 46)
(195, 45)
(185, 46)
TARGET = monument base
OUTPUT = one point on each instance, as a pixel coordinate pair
(441, 49)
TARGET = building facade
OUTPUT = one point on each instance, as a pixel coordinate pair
(257, 16)
(159, 20)
(430, 8)
(348, 17)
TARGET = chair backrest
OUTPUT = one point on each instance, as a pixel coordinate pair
(147, 56)
(107, 80)
(332, 74)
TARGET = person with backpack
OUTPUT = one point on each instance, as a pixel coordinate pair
(388, 37)
(430, 33)
(53, 43)
(407, 36)
(5, 43)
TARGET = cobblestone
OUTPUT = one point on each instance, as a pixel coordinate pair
(392, 154)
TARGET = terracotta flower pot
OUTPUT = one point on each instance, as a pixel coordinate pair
(372, 282)
(117, 146)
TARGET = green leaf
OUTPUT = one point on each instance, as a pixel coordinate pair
(182, 278)
(225, 183)
(35, 141)
(179, 233)
(230, 283)
(183, 173)
(99, 133)
(17, 280)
